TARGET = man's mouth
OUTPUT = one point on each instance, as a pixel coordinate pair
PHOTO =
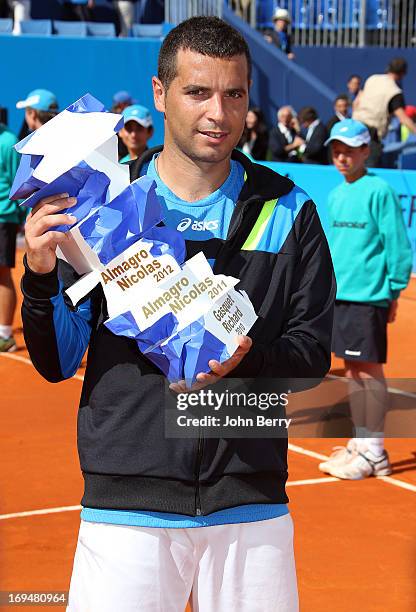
(214, 135)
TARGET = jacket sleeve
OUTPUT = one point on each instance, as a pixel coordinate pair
(316, 143)
(395, 240)
(304, 349)
(56, 335)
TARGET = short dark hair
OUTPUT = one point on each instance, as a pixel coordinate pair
(209, 36)
(342, 97)
(398, 65)
(353, 76)
(308, 113)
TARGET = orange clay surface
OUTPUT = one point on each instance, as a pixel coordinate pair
(355, 541)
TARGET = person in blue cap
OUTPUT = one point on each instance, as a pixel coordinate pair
(372, 259)
(40, 106)
(137, 131)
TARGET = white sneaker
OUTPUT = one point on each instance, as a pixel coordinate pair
(362, 464)
(339, 456)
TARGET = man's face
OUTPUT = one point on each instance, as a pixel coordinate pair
(32, 120)
(135, 136)
(280, 25)
(341, 107)
(205, 106)
(349, 161)
(354, 85)
(285, 117)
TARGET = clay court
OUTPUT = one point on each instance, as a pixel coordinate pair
(355, 541)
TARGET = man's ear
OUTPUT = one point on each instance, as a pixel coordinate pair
(159, 94)
(366, 151)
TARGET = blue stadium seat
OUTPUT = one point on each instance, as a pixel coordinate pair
(407, 160)
(70, 28)
(37, 27)
(105, 30)
(147, 30)
(6, 26)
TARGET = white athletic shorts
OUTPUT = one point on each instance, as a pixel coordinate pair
(246, 567)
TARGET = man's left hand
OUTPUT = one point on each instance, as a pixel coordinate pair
(218, 370)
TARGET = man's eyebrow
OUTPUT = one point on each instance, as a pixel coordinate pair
(192, 87)
(236, 90)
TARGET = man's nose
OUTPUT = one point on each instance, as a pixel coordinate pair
(216, 109)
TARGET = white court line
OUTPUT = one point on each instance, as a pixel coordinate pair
(398, 483)
(311, 481)
(27, 361)
(304, 451)
(393, 481)
(391, 390)
(3, 517)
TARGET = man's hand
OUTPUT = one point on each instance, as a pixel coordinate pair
(218, 370)
(40, 243)
(392, 311)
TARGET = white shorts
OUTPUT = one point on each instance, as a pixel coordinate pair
(246, 567)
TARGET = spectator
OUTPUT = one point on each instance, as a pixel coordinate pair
(10, 219)
(341, 108)
(353, 86)
(314, 150)
(255, 138)
(137, 130)
(411, 113)
(284, 139)
(121, 100)
(125, 14)
(40, 106)
(280, 36)
(78, 10)
(21, 12)
(382, 97)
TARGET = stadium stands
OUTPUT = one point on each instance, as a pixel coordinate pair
(103, 30)
(6, 26)
(36, 27)
(152, 30)
(70, 28)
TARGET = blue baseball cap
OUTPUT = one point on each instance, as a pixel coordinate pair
(39, 99)
(138, 113)
(351, 132)
(122, 97)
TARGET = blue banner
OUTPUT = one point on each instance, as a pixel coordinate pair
(318, 181)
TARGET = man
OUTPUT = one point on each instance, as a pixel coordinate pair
(373, 260)
(280, 36)
(354, 86)
(147, 496)
(11, 218)
(284, 141)
(40, 106)
(137, 130)
(341, 108)
(313, 150)
(381, 98)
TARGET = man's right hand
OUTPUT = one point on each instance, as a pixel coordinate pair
(40, 243)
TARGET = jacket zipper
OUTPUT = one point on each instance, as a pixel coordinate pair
(199, 452)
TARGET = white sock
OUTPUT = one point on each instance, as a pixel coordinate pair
(375, 444)
(5, 331)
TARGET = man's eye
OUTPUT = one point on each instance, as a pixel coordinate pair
(234, 94)
(195, 92)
